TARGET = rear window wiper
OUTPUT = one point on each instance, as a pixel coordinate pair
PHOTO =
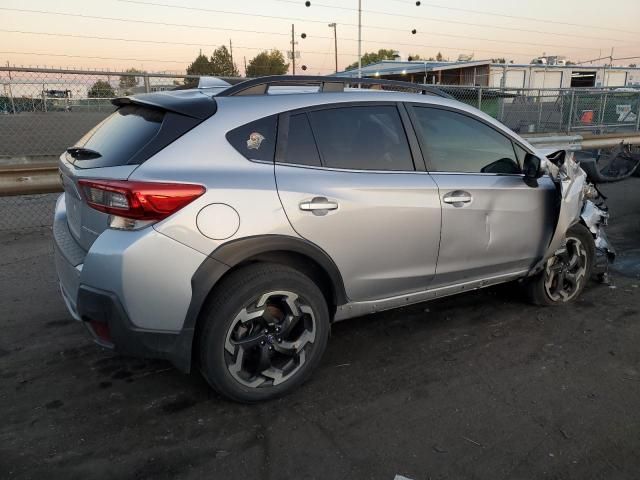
(80, 153)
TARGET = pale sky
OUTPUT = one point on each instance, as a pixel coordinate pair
(452, 30)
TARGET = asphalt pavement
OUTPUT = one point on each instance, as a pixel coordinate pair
(478, 386)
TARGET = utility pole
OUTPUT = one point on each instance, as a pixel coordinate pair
(231, 51)
(335, 41)
(607, 73)
(245, 66)
(359, 38)
(293, 47)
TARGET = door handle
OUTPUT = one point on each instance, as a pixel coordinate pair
(457, 198)
(318, 205)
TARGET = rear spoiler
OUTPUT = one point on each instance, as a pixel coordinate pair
(191, 103)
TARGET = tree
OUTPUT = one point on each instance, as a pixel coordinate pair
(101, 89)
(129, 81)
(222, 64)
(200, 66)
(498, 60)
(267, 63)
(414, 57)
(439, 57)
(375, 57)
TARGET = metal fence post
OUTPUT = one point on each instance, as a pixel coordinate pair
(147, 85)
(561, 96)
(539, 110)
(603, 106)
(13, 105)
(570, 116)
(638, 114)
(480, 98)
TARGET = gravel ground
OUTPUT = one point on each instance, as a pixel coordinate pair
(479, 386)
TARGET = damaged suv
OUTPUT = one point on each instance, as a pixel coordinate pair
(226, 230)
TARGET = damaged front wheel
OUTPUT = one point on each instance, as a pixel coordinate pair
(566, 273)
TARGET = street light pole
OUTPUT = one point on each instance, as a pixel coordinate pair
(335, 41)
(359, 38)
(293, 47)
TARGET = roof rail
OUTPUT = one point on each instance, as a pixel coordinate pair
(260, 85)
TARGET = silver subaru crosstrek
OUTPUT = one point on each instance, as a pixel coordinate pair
(225, 229)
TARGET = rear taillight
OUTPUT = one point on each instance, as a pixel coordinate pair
(146, 201)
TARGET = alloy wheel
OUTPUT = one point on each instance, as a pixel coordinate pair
(566, 271)
(270, 339)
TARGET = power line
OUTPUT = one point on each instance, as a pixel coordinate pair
(211, 10)
(127, 20)
(107, 58)
(504, 15)
(455, 22)
(160, 42)
(98, 58)
(201, 9)
(148, 22)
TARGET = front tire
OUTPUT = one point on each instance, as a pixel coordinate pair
(266, 328)
(567, 272)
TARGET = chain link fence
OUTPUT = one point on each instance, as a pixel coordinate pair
(26, 212)
(567, 110)
(44, 111)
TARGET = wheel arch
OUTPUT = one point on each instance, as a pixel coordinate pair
(295, 252)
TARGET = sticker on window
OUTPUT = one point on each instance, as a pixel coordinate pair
(254, 141)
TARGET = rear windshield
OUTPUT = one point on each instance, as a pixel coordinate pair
(119, 137)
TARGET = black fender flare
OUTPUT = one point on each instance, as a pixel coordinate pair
(233, 253)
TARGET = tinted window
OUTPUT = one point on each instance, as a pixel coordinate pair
(120, 136)
(453, 142)
(301, 147)
(256, 140)
(361, 138)
(520, 153)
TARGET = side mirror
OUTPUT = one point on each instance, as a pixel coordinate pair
(531, 167)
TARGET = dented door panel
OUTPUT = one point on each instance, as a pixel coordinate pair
(504, 228)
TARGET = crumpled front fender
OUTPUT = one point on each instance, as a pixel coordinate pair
(576, 196)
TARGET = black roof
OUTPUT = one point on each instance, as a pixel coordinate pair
(200, 104)
(260, 85)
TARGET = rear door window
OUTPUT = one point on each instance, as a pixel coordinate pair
(301, 146)
(118, 138)
(256, 140)
(361, 138)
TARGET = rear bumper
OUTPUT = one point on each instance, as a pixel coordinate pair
(68, 257)
(135, 286)
(101, 308)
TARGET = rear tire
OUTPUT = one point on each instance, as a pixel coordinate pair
(565, 274)
(266, 328)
